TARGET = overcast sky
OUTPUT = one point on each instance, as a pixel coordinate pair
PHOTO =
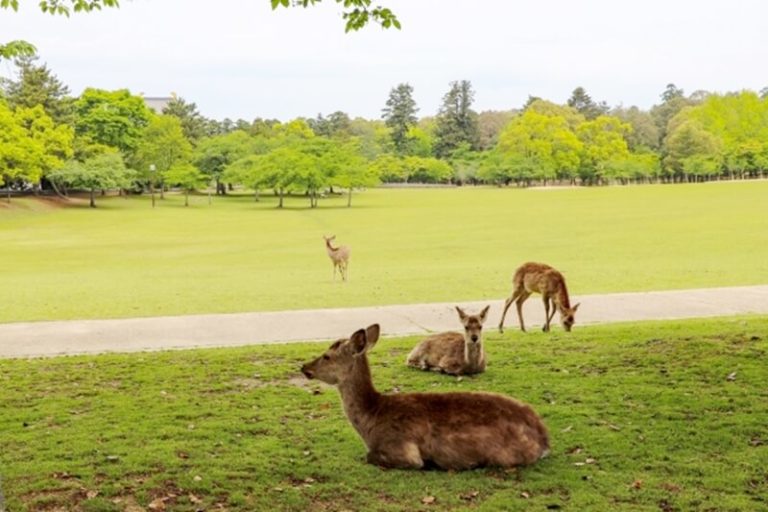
(240, 59)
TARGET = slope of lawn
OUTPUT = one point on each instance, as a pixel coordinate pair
(125, 259)
(643, 417)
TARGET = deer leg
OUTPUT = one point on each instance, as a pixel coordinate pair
(546, 314)
(402, 455)
(507, 303)
(552, 313)
(522, 298)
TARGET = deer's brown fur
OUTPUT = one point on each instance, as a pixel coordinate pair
(417, 430)
(452, 352)
(540, 278)
(339, 256)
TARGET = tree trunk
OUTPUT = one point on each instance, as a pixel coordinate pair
(255, 195)
(56, 189)
(8, 192)
(93, 203)
(349, 197)
(280, 202)
(186, 197)
(162, 190)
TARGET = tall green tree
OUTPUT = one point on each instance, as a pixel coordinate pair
(456, 121)
(212, 155)
(37, 85)
(585, 105)
(31, 145)
(193, 123)
(399, 114)
(545, 142)
(673, 100)
(163, 145)
(113, 118)
(604, 147)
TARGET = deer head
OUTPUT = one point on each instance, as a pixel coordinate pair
(338, 363)
(568, 317)
(473, 324)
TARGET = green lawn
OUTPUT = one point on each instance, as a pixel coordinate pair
(647, 416)
(125, 259)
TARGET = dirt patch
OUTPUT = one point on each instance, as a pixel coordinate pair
(313, 386)
(250, 383)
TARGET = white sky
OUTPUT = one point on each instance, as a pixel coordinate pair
(240, 59)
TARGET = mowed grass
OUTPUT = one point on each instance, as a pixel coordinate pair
(647, 416)
(125, 259)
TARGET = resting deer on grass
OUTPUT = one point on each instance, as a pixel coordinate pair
(452, 352)
(417, 430)
(543, 279)
(339, 256)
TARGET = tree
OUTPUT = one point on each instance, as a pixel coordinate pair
(30, 144)
(16, 49)
(399, 115)
(541, 145)
(389, 168)
(113, 118)
(456, 121)
(36, 85)
(350, 169)
(490, 123)
(603, 147)
(193, 124)
(673, 101)
(253, 171)
(645, 133)
(357, 13)
(214, 154)
(187, 176)
(164, 146)
(336, 125)
(691, 150)
(427, 170)
(102, 172)
(585, 105)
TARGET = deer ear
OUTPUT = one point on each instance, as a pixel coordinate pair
(462, 314)
(484, 313)
(358, 342)
(372, 335)
(576, 306)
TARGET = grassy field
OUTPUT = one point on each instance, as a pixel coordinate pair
(125, 259)
(647, 416)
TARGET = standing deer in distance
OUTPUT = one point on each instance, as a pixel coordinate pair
(339, 256)
(452, 352)
(450, 431)
(543, 279)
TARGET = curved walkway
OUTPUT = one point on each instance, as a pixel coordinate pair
(35, 339)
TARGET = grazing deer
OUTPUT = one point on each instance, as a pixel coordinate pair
(543, 279)
(339, 256)
(417, 430)
(452, 352)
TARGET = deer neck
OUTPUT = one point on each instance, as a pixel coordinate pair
(360, 398)
(331, 249)
(561, 298)
(473, 354)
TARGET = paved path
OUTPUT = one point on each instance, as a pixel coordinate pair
(178, 332)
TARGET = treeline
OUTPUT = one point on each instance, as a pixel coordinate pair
(110, 140)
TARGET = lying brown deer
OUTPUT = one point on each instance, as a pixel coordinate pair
(414, 430)
(452, 352)
(543, 279)
(339, 256)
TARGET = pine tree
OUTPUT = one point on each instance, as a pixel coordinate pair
(399, 114)
(456, 121)
(37, 85)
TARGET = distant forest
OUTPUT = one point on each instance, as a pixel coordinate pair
(111, 140)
